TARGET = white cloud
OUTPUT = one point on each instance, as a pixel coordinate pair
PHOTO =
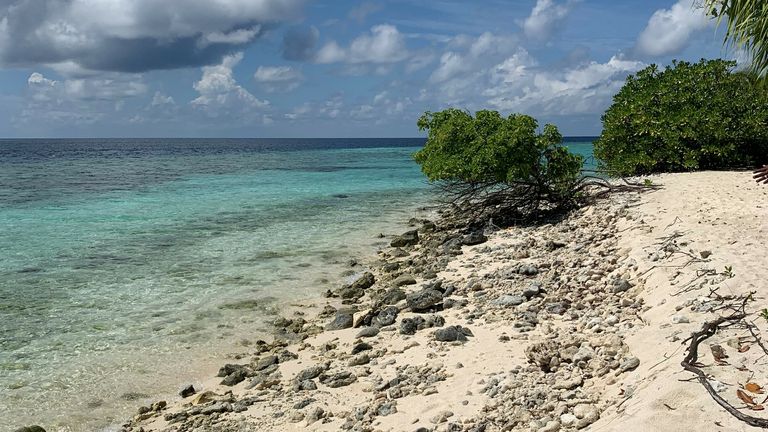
(545, 17)
(219, 92)
(518, 84)
(471, 55)
(160, 99)
(669, 31)
(278, 78)
(384, 44)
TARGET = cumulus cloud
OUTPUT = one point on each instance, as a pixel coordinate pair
(518, 84)
(221, 95)
(299, 43)
(669, 31)
(383, 44)
(545, 17)
(471, 55)
(278, 78)
(133, 36)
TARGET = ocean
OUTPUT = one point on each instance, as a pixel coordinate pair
(131, 266)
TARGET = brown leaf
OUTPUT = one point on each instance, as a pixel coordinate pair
(753, 388)
(756, 407)
(744, 348)
(747, 399)
(718, 353)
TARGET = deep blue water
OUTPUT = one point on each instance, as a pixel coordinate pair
(125, 263)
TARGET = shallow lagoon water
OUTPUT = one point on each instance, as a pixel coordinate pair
(130, 267)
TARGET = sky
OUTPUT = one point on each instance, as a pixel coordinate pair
(325, 68)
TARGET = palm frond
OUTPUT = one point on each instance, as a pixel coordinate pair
(746, 27)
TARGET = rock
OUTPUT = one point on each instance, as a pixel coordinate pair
(314, 415)
(585, 353)
(557, 308)
(303, 403)
(229, 369)
(343, 320)
(551, 426)
(365, 281)
(532, 291)
(529, 270)
(368, 332)
(568, 419)
(360, 360)
(474, 238)
(204, 397)
(586, 415)
(310, 373)
(508, 300)
(705, 254)
(391, 296)
(424, 299)
(409, 238)
(387, 408)
(680, 319)
(628, 364)
(218, 407)
(187, 391)
(387, 316)
(452, 333)
(621, 285)
(441, 417)
(348, 292)
(569, 384)
(340, 379)
(360, 347)
(235, 378)
(403, 280)
(408, 326)
(266, 362)
(33, 428)
(307, 385)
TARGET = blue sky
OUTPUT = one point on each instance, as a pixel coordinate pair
(300, 68)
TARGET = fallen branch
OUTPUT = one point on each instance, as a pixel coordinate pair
(690, 363)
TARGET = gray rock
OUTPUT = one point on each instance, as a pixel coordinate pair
(266, 362)
(705, 254)
(360, 347)
(474, 238)
(365, 281)
(343, 320)
(508, 300)
(391, 296)
(680, 319)
(303, 403)
(387, 408)
(340, 379)
(360, 360)
(387, 316)
(187, 391)
(310, 373)
(235, 378)
(33, 428)
(314, 415)
(403, 280)
(368, 332)
(349, 292)
(628, 364)
(409, 238)
(533, 290)
(424, 299)
(452, 333)
(408, 326)
(584, 353)
(621, 285)
(307, 385)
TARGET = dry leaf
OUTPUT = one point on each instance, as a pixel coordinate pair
(754, 388)
(756, 407)
(747, 399)
(744, 348)
(718, 352)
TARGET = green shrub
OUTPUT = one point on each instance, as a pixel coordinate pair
(685, 117)
(502, 162)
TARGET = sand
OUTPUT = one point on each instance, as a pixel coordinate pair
(722, 214)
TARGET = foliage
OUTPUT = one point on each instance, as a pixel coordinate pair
(685, 117)
(746, 27)
(489, 160)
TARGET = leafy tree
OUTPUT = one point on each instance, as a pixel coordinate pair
(747, 27)
(685, 117)
(500, 166)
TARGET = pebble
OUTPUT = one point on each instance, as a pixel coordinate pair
(680, 319)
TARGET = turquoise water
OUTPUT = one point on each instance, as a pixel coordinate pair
(133, 266)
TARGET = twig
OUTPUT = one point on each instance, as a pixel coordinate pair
(690, 361)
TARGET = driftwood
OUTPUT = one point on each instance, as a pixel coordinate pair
(691, 364)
